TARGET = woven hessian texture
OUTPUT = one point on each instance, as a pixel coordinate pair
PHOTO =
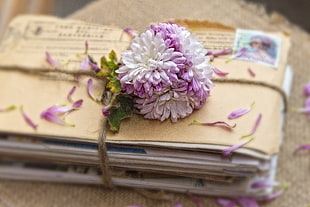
(293, 169)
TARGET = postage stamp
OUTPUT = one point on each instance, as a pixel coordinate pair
(257, 46)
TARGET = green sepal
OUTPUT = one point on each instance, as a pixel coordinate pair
(124, 110)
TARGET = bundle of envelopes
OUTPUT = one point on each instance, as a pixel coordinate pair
(182, 156)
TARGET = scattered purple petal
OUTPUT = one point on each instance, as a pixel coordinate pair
(93, 66)
(77, 104)
(178, 204)
(69, 96)
(257, 122)
(131, 32)
(226, 51)
(195, 199)
(85, 64)
(240, 52)
(7, 109)
(247, 202)
(273, 196)
(28, 120)
(90, 89)
(251, 72)
(237, 54)
(51, 61)
(86, 47)
(53, 113)
(105, 110)
(219, 72)
(217, 123)
(240, 112)
(302, 147)
(225, 202)
(226, 152)
(307, 89)
(263, 184)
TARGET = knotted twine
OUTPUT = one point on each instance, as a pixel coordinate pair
(102, 148)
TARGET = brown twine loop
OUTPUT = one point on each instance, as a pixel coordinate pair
(104, 160)
(258, 83)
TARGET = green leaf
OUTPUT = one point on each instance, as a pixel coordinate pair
(112, 56)
(125, 110)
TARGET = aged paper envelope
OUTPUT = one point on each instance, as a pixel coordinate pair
(28, 37)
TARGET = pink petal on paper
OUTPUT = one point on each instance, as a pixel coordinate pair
(302, 147)
(53, 113)
(7, 109)
(77, 104)
(263, 184)
(240, 52)
(105, 110)
(273, 196)
(307, 89)
(93, 66)
(90, 89)
(219, 72)
(251, 72)
(239, 112)
(217, 123)
(228, 151)
(28, 120)
(226, 51)
(86, 47)
(51, 61)
(85, 64)
(131, 32)
(247, 202)
(256, 124)
(225, 202)
(69, 96)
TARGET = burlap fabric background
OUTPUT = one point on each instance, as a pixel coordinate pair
(137, 15)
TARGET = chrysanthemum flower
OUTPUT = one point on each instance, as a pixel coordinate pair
(168, 71)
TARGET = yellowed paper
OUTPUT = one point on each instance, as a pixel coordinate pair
(24, 45)
(29, 37)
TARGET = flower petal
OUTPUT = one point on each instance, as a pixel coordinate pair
(217, 123)
(247, 202)
(226, 152)
(240, 112)
(226, 51)
(178, 204)
(69, 96)
(86, 47)
(105, 110)
(51, 61)
(225, 202)
(251, 72)
(302, 147)
(240, 52)
(256, 124)
(28, 120)
(85, 63)
(93, 66)
(273, 196)
(77, 104)
(219, 72)
(7, 109)
(131, 32)
(90, 89)
(263, 184)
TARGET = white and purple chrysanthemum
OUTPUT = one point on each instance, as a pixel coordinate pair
(168, 70)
